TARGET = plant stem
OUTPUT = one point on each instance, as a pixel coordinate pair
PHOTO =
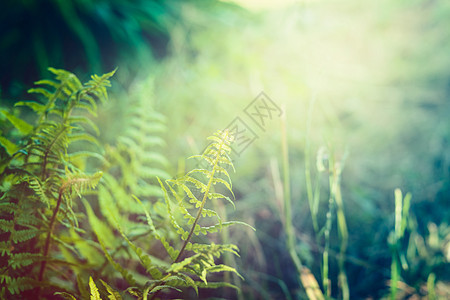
(328, 226)
(306, 278)
(50, 230)
(309, 190)
(287, 198)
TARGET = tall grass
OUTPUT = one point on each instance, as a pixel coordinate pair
(335, 207)
(401, 218)
(306, 278)
(342, 230)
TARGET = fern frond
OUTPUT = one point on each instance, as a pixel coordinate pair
(215, 285)
(19, 260)
(20, 236)
(47, 95)
(16, 285)
(145, 259)
(119, 195)
(50, 142)
(213, 154)
(82, 136)
(6, 225)
(66, 79)
(223, 268)
(100, 227)
(170, 250)
(98, 84)
(5, 248)
(80, 183)
(83, 120)
(95, 295)
(111, 211)
(85, 154)
(158, 288)
(90, 107)
(40, 177)
(215, 249)
(35, 106)
(40, 189)
(183, 234)
(148, 218)
(125, 274)
(113, 294)
(221, 196)
(181, 266)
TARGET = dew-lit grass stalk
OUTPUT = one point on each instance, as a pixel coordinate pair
(335, 203)
(401, 218)
(328, 225)
(313, 198)
(306, 278)
(287, 197)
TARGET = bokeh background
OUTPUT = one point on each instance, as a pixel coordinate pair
(362, 84)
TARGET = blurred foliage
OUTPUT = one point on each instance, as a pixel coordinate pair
(88, 36)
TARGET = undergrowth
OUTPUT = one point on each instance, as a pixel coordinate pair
(41, 175)
(140, 233)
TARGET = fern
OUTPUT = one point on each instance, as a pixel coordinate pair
(42, 179)
(138, 151)
(144, 210)
(130, 169)
(186, 203)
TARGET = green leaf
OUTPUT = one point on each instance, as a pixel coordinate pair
(95, 295)
(125, 274)
(216, 285)
(161, 287)
(47, 82)
(223, 268)
(220, 196)
(113, 294)
(149, 219)
(22, 126)
(87, 107)
(219, 226)
(35, 106)
(75, 137)
(100, 227)
(177, 267)
(86, 154)
(226, 184)
(148, 172)
(42, 91)
(9, 146)
(40, 189)
(85, 121)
